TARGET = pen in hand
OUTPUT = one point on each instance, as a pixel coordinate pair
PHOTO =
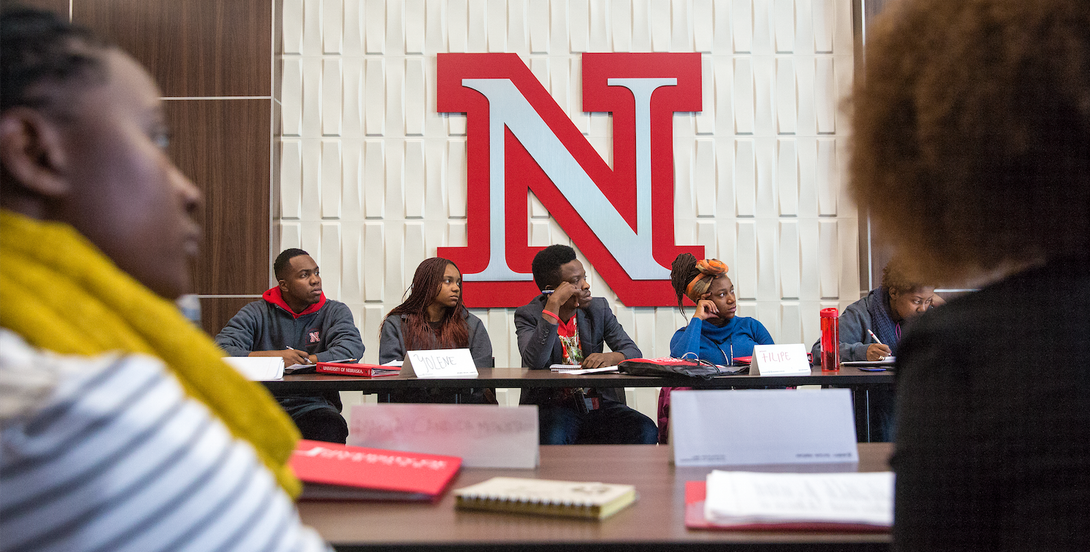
(306, 359)
(878, 342)
(875, 338)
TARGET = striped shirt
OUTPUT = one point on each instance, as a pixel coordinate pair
(108, 453)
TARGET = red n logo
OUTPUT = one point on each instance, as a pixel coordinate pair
(518, 140)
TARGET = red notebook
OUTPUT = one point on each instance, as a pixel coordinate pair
(332, 471)
(695, 491)
(353, 369)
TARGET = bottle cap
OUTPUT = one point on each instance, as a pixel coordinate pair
(830, 313)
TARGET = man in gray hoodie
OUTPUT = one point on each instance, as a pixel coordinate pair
(295, 321)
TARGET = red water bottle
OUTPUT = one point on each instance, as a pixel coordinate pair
(830, 339)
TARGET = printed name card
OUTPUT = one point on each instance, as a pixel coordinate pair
(779, 360)
(439, 363)
(762, 426)
(484, 436)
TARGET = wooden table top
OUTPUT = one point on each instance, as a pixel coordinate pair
(655, 522)
(522, 378)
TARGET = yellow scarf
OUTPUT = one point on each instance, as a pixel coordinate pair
(60, 293)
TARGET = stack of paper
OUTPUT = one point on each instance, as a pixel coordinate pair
(577, 369)
(258, 368)
(803, 501)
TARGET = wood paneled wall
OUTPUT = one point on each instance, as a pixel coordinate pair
(213, 60)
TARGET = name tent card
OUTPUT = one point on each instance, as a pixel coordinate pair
(439, 363)
(762, 426)
(779, 360)
(483, 435)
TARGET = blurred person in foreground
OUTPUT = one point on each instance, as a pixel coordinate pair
(120, 427)
(971, 152)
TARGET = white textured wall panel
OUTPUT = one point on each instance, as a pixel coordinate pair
(332, 269)
(415, 26)
(311, 25)
(292, 28)
(291, 178)
(353, 28)
(331, 187)
(353, 99)
(705, 120)
(660, 33)
(787, 177)
(373, 180)
(804, 27)
(333, 18)
(745, 178)
(416, 97)
(395, 28)
(477, 40)
(744, 91)
(786, 97)
(415, 183)
(621, 25)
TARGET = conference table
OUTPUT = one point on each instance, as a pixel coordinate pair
(859, 381)
(654, 522)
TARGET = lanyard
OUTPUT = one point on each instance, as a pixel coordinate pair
(718, 345)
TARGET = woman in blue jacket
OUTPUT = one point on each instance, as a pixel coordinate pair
(714, 333)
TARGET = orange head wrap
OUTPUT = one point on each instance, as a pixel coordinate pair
(710, 269)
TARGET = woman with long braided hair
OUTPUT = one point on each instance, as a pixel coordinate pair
(434, 317)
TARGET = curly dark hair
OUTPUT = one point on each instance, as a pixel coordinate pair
(894, 278)
(971, 140)
(40, 52)
(283, 261)
(546, 265)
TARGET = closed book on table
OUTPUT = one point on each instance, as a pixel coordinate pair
(354, 369)
(332, 471)
(547, 497)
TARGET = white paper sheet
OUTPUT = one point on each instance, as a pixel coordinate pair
(748, 497)
(258, 368)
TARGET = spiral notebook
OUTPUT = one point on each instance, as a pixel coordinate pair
(546, 497)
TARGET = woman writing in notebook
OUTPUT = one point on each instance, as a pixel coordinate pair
(433, 317)
(714, 333)
(870, 328)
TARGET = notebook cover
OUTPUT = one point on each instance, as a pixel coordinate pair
(336, 471)
(695, 491)
(546, 497)
(354, 369)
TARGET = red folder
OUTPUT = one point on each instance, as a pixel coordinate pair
(353, 369)
(695, 491)
(332, 471)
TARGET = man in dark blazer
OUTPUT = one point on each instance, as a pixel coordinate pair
(565, 325)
